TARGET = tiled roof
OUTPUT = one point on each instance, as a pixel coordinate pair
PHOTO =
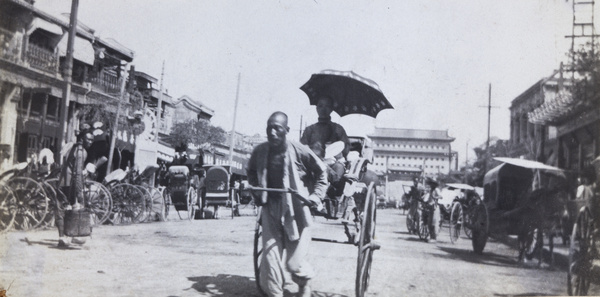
(411, 134)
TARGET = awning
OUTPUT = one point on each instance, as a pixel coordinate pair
(164, 152)
(527, 164)
(82, 49)
(44, 25)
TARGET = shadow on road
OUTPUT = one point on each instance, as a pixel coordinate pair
(487, 258)
(51, 244)
(527, 294)
(226, 285)
(324, 294)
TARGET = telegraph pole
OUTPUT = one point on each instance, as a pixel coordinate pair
(232, 140)
(487, 143)
(67, 76)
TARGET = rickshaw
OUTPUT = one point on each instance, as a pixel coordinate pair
(361, 185)
(522, 198)
(461, 211)
(219, 188)
(183, 190)
(584, 250)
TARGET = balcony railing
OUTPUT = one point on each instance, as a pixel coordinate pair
(42, 58)
(107, 82)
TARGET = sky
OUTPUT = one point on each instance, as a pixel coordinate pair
(433, 60)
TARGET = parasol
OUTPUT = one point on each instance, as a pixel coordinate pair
(351, 93)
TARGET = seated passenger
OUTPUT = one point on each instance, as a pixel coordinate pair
(324, 132)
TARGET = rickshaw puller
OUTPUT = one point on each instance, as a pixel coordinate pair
(286, 220)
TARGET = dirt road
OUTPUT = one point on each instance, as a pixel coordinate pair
(214, 258)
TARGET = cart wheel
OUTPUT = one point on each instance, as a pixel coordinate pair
(480, 222)
(366, 244)
(409, 223)
(423, 227)
(157, 205)
(258, 250)
(128, 204)
(32, 202)
(52, 194)
(144, 216)
(581, 253)
(467, 231)
(456, 221)
(8, 208)
(98, 201)
(192, 203)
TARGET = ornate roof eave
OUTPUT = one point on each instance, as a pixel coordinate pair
(557, 110)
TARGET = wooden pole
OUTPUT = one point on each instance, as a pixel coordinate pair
(160, 100)
(115, 129)
(232, 138)
(487, 143)
(67, 76)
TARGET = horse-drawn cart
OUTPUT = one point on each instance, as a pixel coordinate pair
(522, 198)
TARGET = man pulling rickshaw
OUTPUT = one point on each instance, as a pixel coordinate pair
(289, 178)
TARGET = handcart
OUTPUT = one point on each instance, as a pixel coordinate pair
(183, 191)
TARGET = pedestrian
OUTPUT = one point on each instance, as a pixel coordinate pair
(286, 219)
(72, 182)
(431, 209)
(99, 150)
(317, 136)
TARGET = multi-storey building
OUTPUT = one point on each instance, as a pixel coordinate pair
(32, 60)
(407, 153)
(529, 140)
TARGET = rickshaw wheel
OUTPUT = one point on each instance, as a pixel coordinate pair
(166, 195)
(456, 221)
(423, 227)
(192, 203)
(32, 202)
(480, 223)
(258, 250)
(409, 223)
(128, 204)
(8, 208)
(144, 216)
(98, 201)
(581, 253)
(366, 244)
(52, 192)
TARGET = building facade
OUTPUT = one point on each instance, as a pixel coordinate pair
(408, 153)
(32, 62)
(529, 139)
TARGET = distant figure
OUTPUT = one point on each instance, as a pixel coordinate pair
(99, 148)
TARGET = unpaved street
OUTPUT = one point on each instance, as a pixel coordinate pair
(214, 258)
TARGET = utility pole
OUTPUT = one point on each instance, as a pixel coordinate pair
(232, 139)
(160, 99)
(67, 76)
(115, 128)
(487, 143)
(467, 154)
